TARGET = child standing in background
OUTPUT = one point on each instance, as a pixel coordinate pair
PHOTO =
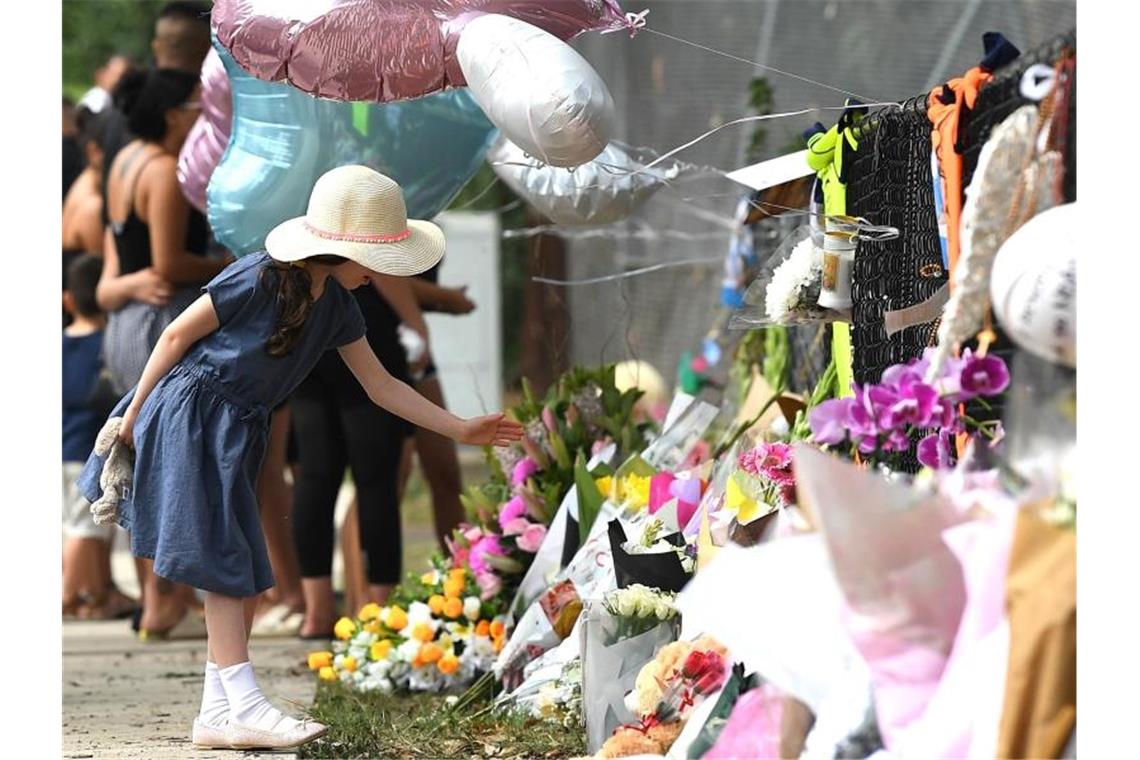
(88, 591)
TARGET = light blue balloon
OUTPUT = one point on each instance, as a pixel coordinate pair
(282, 140)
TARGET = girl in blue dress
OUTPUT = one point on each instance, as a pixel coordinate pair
(198, 419)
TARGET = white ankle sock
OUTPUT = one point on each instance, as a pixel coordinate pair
(248, 705)
(215, 704)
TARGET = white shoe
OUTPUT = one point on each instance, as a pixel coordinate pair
(208, 736)
(285, 733)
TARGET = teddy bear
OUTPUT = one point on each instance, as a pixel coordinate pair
(118, 473)
(661, 724)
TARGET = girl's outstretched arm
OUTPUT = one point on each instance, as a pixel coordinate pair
(198, 321)
(399, 398)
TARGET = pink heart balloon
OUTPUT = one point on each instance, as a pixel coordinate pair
(379, 50)
(207, 140)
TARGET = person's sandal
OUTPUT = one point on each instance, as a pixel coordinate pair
(191, 626)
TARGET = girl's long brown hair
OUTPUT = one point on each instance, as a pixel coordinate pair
(293, 292)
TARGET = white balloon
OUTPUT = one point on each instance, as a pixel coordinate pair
(538, 90)
(1034, 285)
(602, 191)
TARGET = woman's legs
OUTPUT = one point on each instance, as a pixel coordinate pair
(275, 501)
(439, 462)
(375, 441)
(322, 459)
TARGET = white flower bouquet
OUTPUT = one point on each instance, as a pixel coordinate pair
(787, 288)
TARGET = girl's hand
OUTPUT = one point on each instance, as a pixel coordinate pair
(490, 430)
(152, 288)
(127, 426)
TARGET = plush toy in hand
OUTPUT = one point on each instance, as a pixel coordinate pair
(118, 473)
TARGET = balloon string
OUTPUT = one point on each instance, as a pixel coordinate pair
(570, 233)
(631, 273)
(479, 196)
(773, 69)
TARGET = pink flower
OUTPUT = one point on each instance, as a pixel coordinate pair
(490, 585)
(472, 533)
(488, 544)
(512, 510)
(516, 527)
(523, 470)
(548, 419)
(532, 537)
(599, 445)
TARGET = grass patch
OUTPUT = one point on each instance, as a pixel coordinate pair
(418, 726)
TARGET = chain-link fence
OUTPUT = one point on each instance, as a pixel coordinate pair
(668, 92)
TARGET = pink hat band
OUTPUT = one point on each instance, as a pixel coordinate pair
(352, 237)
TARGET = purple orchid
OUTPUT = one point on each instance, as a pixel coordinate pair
(830, 420)
(934, 450)
(914, 404)
(984, 376)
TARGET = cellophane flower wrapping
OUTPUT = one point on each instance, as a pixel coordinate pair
(614, 648)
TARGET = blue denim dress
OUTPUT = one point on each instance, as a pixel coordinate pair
(200, 437)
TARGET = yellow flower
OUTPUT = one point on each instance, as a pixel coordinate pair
(453, 607)
(349, 664)
(345, 629)
(430, 578)
(327, 673)
(370, 611)
(453, 587)
(318, 660)
(448, 664)
(605, 484)
(372, 626)
(736, 500)
(635, 490)
(497, 628)
(497, 643)
(458, 573)
(483, 628)
(397, 618)
(380, 650)
(423, 632)
(436, 603)
(430, 652)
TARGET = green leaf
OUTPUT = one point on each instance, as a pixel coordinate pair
(589, 498)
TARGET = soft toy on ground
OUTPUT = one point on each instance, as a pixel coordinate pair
(118, 473)
(666, 690)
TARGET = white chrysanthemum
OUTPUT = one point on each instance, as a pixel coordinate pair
(471, 607)
(407, 651)
(364, 639)
(782, 296)
(419, 612)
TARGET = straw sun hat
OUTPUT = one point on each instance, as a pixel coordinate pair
(358, 213)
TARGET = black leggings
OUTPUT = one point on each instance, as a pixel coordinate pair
(336, 427)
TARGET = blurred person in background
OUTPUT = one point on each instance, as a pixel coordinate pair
(107, 77)
(181, 40)
(438, 456)
(337, 427)
(88, 589)
(72, 153)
